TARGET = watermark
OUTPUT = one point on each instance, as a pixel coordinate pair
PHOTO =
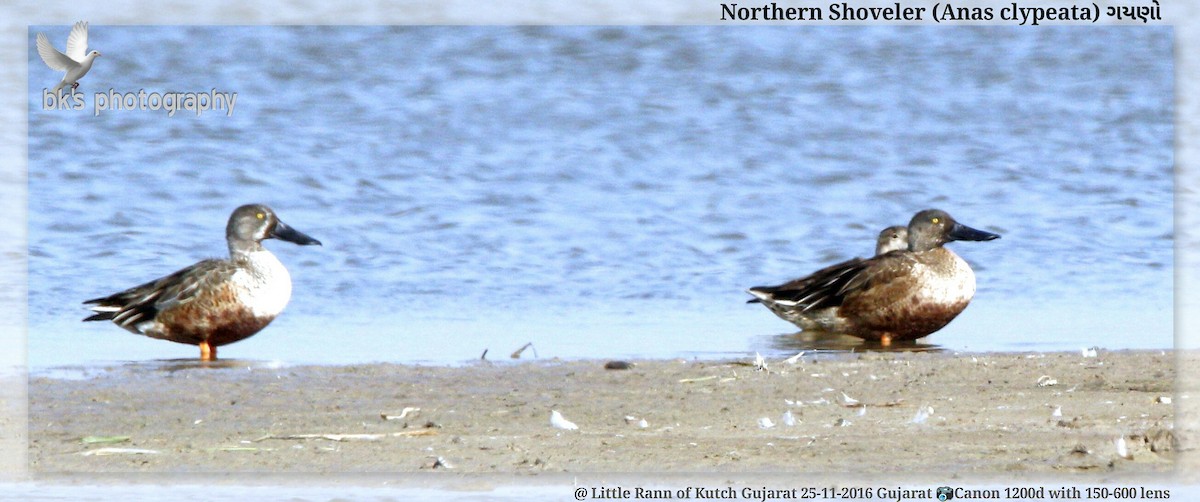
(75, 63)
(873, 493)
(165, 102)
(943, 11)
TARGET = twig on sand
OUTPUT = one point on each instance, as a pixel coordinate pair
(118, 451)
(517, 354)
(350, 437)
(104, 439)
(408, 410)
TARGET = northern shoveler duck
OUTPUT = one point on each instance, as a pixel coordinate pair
(896, 296)
(894, 238)
(214, 302)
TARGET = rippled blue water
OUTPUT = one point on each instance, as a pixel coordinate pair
(607, 191)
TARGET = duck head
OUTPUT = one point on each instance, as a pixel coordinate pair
(932, 228)
(250, 224)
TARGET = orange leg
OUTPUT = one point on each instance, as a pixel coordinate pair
(207, 352)
(884, 340)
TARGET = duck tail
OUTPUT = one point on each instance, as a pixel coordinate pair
(760, 295)
(103, 310)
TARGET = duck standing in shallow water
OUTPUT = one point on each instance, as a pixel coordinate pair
(214, 302)
(896, 296)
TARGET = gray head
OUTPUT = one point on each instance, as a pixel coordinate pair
(250, 224)
(932, 228)
(893, 238)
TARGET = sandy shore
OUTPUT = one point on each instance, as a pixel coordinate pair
(874, 413)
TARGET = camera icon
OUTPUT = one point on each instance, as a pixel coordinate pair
(945, 493)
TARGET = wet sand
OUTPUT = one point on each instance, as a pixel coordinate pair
(860, 413)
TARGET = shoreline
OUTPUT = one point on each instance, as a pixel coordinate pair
(894, 414)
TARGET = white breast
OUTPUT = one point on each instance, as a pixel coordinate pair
(952, 283)
(265, 286)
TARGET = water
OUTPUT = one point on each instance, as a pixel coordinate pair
(606, 191)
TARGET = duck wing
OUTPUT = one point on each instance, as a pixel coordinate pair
(823, 288)
(142, 303)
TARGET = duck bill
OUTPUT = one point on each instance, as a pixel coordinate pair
(962, 232)
(286, 233)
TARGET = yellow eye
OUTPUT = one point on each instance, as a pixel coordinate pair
(935, 219)
(260, 216)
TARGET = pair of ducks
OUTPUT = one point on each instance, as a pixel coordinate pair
(911, 288)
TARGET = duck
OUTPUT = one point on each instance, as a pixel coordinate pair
(214, 302)
(893, 238)
(898, 295)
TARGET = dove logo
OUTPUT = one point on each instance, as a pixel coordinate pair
(76, 62)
